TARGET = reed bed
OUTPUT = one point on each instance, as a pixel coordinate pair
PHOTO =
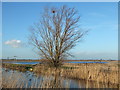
(95, 75)
(104, 73)
(94, 72)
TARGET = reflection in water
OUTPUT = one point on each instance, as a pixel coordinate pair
(16, 79)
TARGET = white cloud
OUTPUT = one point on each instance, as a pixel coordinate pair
(13, 43)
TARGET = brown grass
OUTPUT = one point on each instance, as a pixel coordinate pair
(94, 72)
(106, 73)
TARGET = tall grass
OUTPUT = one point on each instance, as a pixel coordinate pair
(105, 73)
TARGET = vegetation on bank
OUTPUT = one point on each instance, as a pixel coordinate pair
(107, 73)
(20, 67)
(98, 72)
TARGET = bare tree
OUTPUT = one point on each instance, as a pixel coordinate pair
(56, 33)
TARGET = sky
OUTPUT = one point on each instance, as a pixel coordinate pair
(101, 19)
(60, 1)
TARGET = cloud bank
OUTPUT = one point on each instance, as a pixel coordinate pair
(14, 43)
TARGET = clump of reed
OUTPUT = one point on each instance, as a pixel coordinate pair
(12, 81)
(107, 73)
(45, 70)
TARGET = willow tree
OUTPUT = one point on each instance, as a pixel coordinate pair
(56, 33)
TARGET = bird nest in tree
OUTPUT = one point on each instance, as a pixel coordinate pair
(53, 11)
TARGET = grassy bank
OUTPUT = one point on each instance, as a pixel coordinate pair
(20, 67)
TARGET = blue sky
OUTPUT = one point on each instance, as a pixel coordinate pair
(101, 19)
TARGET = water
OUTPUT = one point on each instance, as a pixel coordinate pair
(39, 62)
(17, 79)
(87, 62)
(23, 62)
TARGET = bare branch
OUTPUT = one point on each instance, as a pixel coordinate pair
(56, 33)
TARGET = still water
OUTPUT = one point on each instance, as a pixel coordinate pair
(17, 79)
(39, 62)
(87, 62)
(23, 62)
